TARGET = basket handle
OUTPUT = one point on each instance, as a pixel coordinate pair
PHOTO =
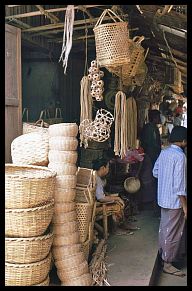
(43, 112)
(25, 110)
(58, 110)
(110, 12)
(42, 123)
(138, 39)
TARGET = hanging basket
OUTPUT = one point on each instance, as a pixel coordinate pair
(111, 41)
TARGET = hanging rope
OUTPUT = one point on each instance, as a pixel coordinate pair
(131, 122)
(67, 35)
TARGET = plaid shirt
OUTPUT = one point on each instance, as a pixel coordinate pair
(170, 170)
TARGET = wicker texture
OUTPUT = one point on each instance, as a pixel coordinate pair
(64, 207)
(38, 126)
(65, 217)
(83, 280)
(111, 41)
(30, 149)
(28, 186)
(56, 156)
(28, 222)
(27, 250)
(85, 248)
(63, 129)
(63, 168)
(84, 211)
(69, 261)
(65, 228)
(61, 240)
(64, 195)
(74, 272)
(27, 274)
(63, 143)
(44, 283)
(63, 251)
(66, 181)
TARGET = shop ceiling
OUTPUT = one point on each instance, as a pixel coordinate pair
(163, 26)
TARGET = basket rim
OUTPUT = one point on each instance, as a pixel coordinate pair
(110, 24)
(33, 238)
(63, 124)
(25, 166)
(14, 265)
(32, 209)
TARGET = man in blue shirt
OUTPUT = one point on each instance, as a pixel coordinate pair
(170, 170)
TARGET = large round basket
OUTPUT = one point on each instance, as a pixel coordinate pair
(70, 261)
(83, 280)
(57, 156)
(63, 129)
(30, 149)
(64, 251)
(27, 274)
(74, 272)
(63, 168)
(27, 250)
(65, 228)
(62, 240)
(64, 207)
(64, 217)
(64, 195)
(84, 211)
(28, 186)
(44, 283)
(132, 184)
(66, 181)
(111, 41)
(62, 143)
(28, 222)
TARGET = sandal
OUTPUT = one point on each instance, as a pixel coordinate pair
(169, 269)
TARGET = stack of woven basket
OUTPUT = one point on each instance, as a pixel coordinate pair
(72, 267)
(29, 209)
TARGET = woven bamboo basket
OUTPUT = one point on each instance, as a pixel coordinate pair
(61, 240)
(27, 250)
(63, 129)
(56, 156)
(83, 280)
(70, 261)
(44, 283)
(64, 251)
(64, 217)
(65, 228)
(63, 168)
(64, 195)
(38, 126)
(111, 41)
(85, 248)
(28, 186)
(30, 149)
(64, 207)
(84, 212)
(63, 143)
(74, 272)
(27, 274)
(66, 181)
(28, 222)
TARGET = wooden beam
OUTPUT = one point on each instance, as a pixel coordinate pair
(47, 14)
(84, 9)
(36, 13)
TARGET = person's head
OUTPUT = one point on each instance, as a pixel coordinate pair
(154, 116)
(101, 166)
(178, 136)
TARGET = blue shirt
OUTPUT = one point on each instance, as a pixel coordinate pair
(170, 170)
(100, 184)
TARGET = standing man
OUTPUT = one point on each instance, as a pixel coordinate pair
(170, 170)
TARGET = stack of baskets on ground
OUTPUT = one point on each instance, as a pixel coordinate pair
(29, 204)
(69, 258)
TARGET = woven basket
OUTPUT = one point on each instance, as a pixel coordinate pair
(38, 126)
(64, 207)
(65, 217)
(30, 149)
(84, 212)
(28, 186)
(44, 283)
(64, 195)
(111, 41)
(27, 250)
(74, 272)
(66, 181)
(63, 168)
(69, 261)
(83, 280)
(61, 240)
(63, 129)
(65, 251)
(27, 274)
(28, 222)
(85, 248)
(63, 143)
(56, 156)
(85, 177)
(132, 184)
(65, 228)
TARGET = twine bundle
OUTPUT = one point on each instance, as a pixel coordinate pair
(120, 115)
(131, 123)
(67, 35)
